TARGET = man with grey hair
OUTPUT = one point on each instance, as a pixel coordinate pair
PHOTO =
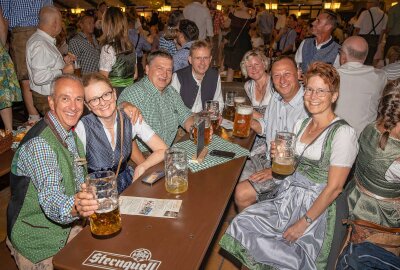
(321, 47)
(361, 86)
(47, 175)
(371, 25)
(44, 61)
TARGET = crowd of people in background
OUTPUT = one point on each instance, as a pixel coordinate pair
(333, 81)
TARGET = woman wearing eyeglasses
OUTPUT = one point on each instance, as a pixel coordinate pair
(294, 228)
(102, 130)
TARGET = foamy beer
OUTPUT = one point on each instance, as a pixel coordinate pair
(212, 106)
(284, 159)
(241, 124)
(198, 117)
(106, 221)
(239, 100)
(176, 170)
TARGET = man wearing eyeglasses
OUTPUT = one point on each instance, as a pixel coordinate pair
(198, 82)
(361, 85)
(285, 108)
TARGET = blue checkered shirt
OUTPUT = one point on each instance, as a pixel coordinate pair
(23, 13)
(36, 159)
(181, 56)
(167, 45)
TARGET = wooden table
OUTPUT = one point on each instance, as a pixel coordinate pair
(179, 243)
(5, 161)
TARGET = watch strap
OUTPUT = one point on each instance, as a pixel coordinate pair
(308, 219)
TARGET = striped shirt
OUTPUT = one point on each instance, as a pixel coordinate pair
(87, 53)
(168, 46)
(163, 110)
(181, 56)
(392, 70)
(23, 13)
(36, 159)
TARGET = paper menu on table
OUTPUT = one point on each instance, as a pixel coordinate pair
(151, 207)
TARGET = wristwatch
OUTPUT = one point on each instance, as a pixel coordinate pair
(308, 219)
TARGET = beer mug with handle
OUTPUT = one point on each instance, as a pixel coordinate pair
(212, 106)
(230, 105)
(198, 117)
(284, 158)
(106, 221)
(241, 124)
(176, 170)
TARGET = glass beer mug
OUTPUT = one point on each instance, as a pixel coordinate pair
(241, 124)
(106, 221)
(203, 115)
(176, 170)
(284, 159)
(212, 106)
(230, 105)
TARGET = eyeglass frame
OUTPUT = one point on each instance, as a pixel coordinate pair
(90, 102)
(321, 93)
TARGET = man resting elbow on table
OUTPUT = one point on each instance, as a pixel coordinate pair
(285, 108)
(161, 105)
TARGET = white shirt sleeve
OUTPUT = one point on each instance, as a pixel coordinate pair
(107, 58)
(299, 55)
(218, 95)
(175, 83)
(142, 130)
(344, 147)
(392, 175)
(81, 132)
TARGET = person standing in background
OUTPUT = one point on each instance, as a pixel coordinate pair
(218, 23)
(22, 18)
(393, 28)
(200, 14)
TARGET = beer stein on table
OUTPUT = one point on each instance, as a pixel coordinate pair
(77, 69)
(176, 170)
(230, 105)
(241, 124)
(212, 106)
(198, 117)
(239, 100)
(284, 158)
(106, 221)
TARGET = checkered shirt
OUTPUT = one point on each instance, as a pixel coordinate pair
(168, 46)
(23, 13)
(38, 161)
(88, 54)
(163, 111)
(181, 56)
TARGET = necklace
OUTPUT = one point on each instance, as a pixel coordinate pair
(263, 88)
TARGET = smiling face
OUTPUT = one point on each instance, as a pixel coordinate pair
(285, 78)
(255, 67)
(105, 108)
(67, 102)
(200, 60)
(316, 104)
(159, 72)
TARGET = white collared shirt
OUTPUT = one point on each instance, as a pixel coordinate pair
(44, 61)
(198, 106)
(200, 14)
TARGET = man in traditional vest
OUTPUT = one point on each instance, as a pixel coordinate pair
(322, 47)
(46, 176)
(198, 82)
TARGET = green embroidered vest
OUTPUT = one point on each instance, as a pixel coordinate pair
(34, 235)
(317, 171)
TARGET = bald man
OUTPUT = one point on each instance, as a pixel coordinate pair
(361, 85)
(44, 61)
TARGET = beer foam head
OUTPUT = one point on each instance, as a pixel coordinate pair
(245, 110)
(239, 99)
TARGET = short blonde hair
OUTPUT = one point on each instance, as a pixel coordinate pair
(253, 53)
